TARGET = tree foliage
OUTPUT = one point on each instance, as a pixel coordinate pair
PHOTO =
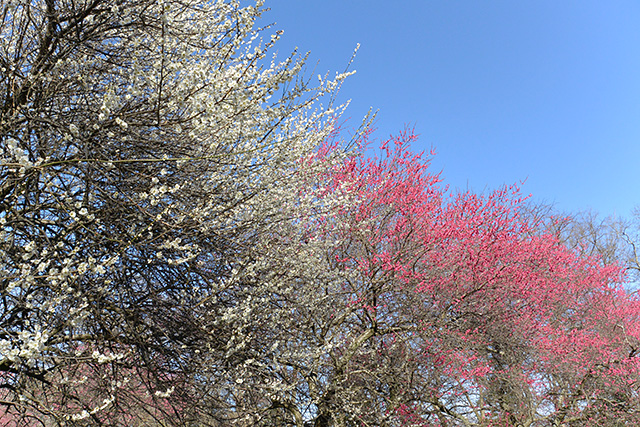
(187, 241)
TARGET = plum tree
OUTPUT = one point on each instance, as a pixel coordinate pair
(396, 303)
(145, 146)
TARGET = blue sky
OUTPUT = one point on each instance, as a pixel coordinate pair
(505, 91)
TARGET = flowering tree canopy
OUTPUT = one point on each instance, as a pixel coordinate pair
(145, 146)
(186, 241)
(405, 305)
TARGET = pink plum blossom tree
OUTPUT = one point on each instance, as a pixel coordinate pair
(396, 303)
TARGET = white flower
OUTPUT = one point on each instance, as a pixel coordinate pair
(121, 123)
(81, 416)
(74, 130)
(165, 393)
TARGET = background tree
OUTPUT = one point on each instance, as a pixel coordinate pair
(611, 239)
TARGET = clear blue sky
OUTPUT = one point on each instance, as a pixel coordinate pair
(505, 91)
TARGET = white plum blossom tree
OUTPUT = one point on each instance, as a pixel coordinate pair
(146, 146)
